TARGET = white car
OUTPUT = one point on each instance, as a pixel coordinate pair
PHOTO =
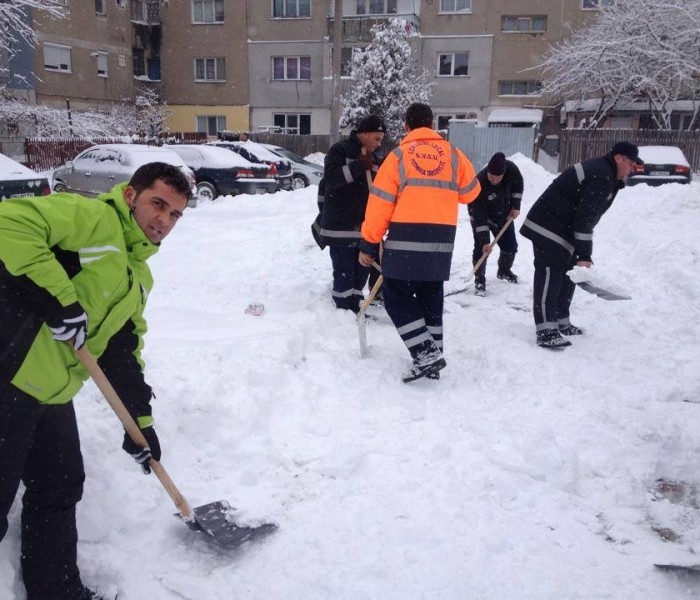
(18, 181)
(99, 168)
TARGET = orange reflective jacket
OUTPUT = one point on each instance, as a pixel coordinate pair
(415, 197)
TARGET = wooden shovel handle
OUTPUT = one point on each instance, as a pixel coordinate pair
(132, 429)
(368, 174)
(484, 256)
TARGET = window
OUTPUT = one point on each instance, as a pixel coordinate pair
(453, 65)
(291, 9)
(293, 123)
(100, 7)
(376, 7)
(211, 124)
(208, 11)
(210, 69)
(57, 58)
(101, 63)
(443, 121)
(595, 4)
(291, 67)
(519, 88)
(346, 54)
(139, 62)
(455, 6)
(535, 24)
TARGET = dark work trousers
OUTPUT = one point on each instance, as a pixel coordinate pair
(508, 242)
(39, 444)
(415, 308)
(553, 290)
(349, 277)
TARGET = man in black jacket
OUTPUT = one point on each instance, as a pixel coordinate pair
(501, 192)
(342, 199)
(560, 225)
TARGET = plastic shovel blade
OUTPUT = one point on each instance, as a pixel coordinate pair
(694, 569)
(600, 292)
(216, 519)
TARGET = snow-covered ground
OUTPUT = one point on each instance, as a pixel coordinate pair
(521, 474)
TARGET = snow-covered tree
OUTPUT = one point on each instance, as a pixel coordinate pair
(15, 24)
(387, 79)
(151, 113)
(634, 50)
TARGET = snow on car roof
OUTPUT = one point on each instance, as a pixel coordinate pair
(663, 155)
(10, 169)
(258, 150)
(214, 157)
(139, 154)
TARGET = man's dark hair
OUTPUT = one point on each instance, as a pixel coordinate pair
(146, 175)
(419, 115)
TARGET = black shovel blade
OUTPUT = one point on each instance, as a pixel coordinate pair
(600, 292)
(694, 569)
(216, 520)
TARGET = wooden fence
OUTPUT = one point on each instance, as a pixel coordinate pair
(580, 144)
(45, 154)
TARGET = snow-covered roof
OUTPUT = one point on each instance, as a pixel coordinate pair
(201, 155)
(663, 155)
(257, 150)
(10, 169)
(515, 115)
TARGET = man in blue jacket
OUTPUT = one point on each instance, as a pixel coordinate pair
(560, 225)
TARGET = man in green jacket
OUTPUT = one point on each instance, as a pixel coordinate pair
(72, 272)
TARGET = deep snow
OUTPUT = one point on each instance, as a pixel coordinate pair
(521, 474)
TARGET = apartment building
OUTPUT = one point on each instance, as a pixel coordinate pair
(247, 64)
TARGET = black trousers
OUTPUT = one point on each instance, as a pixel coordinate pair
(415, 308)
(349, 277)
(508, 242)
(39, 444)
(553, 290)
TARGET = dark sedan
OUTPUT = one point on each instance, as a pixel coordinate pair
(219, 172)
(280, 168)
(662, 164)
(17, 181)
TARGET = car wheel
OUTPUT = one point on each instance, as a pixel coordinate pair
(299, 181)
(59, 186)
(206, 191)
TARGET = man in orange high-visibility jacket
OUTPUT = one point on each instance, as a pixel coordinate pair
(415, 197)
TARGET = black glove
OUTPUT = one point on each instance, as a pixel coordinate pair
(366, 161)
(68, 323)
(140, 454)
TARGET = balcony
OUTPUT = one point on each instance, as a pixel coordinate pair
(145, 11)
(358, 28)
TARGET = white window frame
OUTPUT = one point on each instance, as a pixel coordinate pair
(102, 63)
(219, 64)
(101, 11)
(595, 4)
(289, 129)
(452, 7)
(521, 18)
(452, 64)
(529, 83)
(210, 12)
(286, 60)
(297, 12)
(220, 120)
(61, 52)
(367, 7)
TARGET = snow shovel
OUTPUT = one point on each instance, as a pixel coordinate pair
(214, 519)
(600, 292)
(361, 321)
(586, 280)
(484, 256)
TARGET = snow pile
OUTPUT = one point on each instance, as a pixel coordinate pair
(521, 474)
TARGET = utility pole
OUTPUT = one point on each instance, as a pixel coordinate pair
(335, 68)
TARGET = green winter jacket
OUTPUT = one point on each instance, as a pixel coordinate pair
(56, 250)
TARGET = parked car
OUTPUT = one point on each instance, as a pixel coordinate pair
(662, 164)
(304, 173)
(18, 181)
(99, 168)
(220, 172)
(280, 168)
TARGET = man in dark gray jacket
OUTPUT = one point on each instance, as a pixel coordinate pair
(560, 225)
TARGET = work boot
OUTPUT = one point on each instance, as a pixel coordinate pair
(93, 594)
(552, 339)
(426, 360)
(569, 329)
(480, 280)
(505, 262)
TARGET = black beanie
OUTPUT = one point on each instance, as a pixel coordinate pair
(370, 124)
(497, 164)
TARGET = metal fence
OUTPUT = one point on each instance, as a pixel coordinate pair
(580, 144)
(44, 154)
(481, 143)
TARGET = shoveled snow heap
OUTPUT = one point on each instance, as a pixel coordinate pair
(521, 474)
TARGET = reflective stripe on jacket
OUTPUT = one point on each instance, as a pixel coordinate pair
(415, 197)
